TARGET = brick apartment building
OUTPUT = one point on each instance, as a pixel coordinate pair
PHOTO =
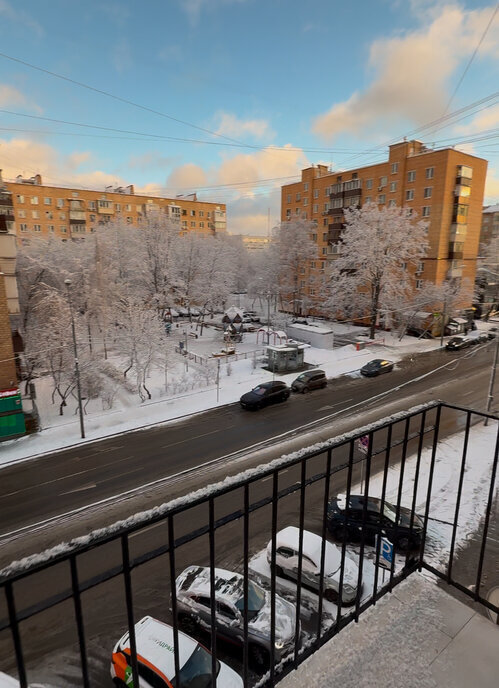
(444, 187)
(490, 224)
(67, 212)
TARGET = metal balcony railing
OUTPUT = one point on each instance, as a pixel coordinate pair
(116, 575)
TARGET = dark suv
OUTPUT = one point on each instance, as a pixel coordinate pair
(341, 520)
(265, 394)
(311, 379)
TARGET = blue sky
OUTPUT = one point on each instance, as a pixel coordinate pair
(278, 78)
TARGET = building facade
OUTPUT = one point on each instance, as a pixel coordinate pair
(490, 224)
(444, 187)
(72, 213)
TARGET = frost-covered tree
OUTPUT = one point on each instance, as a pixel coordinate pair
(291, 251)
(370, 273)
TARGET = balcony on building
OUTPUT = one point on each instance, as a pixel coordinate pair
(455, 270)
(456, 250)
(334, 232)
(77, 216)
(460, 213)
(105, 207)
(464, 175)
(458, 232)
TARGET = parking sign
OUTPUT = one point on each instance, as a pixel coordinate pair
(385, 553)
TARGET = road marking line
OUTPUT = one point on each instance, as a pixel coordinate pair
(79, 489)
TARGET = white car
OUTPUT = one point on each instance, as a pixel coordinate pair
(156, 660)
(287, 548)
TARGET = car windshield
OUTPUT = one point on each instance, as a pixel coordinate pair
(196, 672)
(390, 512)
(259, 390)
(301, 377)
(256, 600)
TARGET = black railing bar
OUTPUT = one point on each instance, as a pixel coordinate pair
(327, 483)
(430, 484)
(487, 517)
(345, 531)
(458, 497)
(483, 414)
(79, 622)
(245, 584)
(213, 600)
(51, 556)
(16, 636)
(275, 501)
(462, 588)
(382, 507)
(173, 593)
(399, 501)
(415, 488)
(364, 523)
(129, 608)
(300, 559)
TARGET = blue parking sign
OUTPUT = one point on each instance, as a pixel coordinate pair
(386, 553)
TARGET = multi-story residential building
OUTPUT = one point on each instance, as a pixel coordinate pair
(444, 187)
(73, 213)
(255, 243)
(490, 224)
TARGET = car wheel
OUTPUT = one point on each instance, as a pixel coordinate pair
(305, 390)
(403, 543)
(188, 624)
(340, 533)
(331, 595)
(279, 572)
(259, 657)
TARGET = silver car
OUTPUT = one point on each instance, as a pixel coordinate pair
(194, 610)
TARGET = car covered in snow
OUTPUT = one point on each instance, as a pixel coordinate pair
(287, 562)
(377, 366)
(194, 612)
(156, 660)
(265, 394)
(381, 519)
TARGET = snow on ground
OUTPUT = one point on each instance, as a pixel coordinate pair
(192, 388)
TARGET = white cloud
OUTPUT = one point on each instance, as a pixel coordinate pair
(492, 187)
(487, 119)
(233, 127)
(11, 96)
(151, 159)
(412, 74)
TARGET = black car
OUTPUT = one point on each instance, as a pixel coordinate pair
(377, 366)
(311, 379)
(265, 394)
(492, 332)
(459, 342)
(342, 520)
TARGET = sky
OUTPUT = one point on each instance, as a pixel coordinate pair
(232, 98)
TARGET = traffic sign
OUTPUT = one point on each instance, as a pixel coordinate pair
(385, 553)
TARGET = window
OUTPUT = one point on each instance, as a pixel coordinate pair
(128, 208)
(336, 203)
(288, 213)
(104, 204)
(35, 214)
(430, 172)
(324, 251)
(19, 198)
(201, 225)
(47, 201)
(305, 201)
(305, 186)
(23, 227)
(391, 204)
(395, 167)
(325, 222)
(426, 211)
(75, 194)
(420, 267)
(383, 181)
(118, 207)
(21, 213)
(315, 208)
(193, 213)
(63, 229)
(193, 223)
(288, 198)
(327, 191)
(411, 176)
(51, 228)
(312, 291)
(381, 198)
(368, 199)
(208, 214)
(34, 200)
(428, 191)
(37, 228)
(404, 266)
(316, 193)
(419, 284)
(92, 218)
(201, 213)
(393, 186)
(60, 202)
(369, 184)
(409, 212)
(298, 196)
(302, 284)
(409, 195)
(91, 205)
(62, 216)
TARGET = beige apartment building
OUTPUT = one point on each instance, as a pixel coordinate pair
(490, 224)
(444, 187)
(67, 212)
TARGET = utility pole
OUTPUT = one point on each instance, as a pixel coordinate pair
(77, 368)
(490, 395)
(442, 327)
(268, 317)
(218, 379)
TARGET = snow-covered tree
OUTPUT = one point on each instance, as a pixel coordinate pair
(370, 273)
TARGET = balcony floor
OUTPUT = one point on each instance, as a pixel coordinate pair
(417, 637)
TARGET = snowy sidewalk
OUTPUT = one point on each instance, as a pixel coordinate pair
(417, 637)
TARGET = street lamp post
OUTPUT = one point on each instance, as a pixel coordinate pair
(75, 350)
(268, 317)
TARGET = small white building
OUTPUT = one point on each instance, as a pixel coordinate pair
(316, 335)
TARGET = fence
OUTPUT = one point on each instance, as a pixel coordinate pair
(76, 600)
(224, 359)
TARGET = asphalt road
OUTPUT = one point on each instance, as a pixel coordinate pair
(54, 484)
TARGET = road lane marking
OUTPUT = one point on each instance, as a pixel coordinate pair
(91, 486)
(330, 406)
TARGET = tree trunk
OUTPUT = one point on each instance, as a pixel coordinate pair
(374, 307)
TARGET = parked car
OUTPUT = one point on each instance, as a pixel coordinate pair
(156, 660)
(194, 607)
(377, 366)
(246, 318)
(477, 337)
(459, 342)
(310, 379)
(252, 315)
(287, 549)
(265, 394)
(343, 520)
(492, 332)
